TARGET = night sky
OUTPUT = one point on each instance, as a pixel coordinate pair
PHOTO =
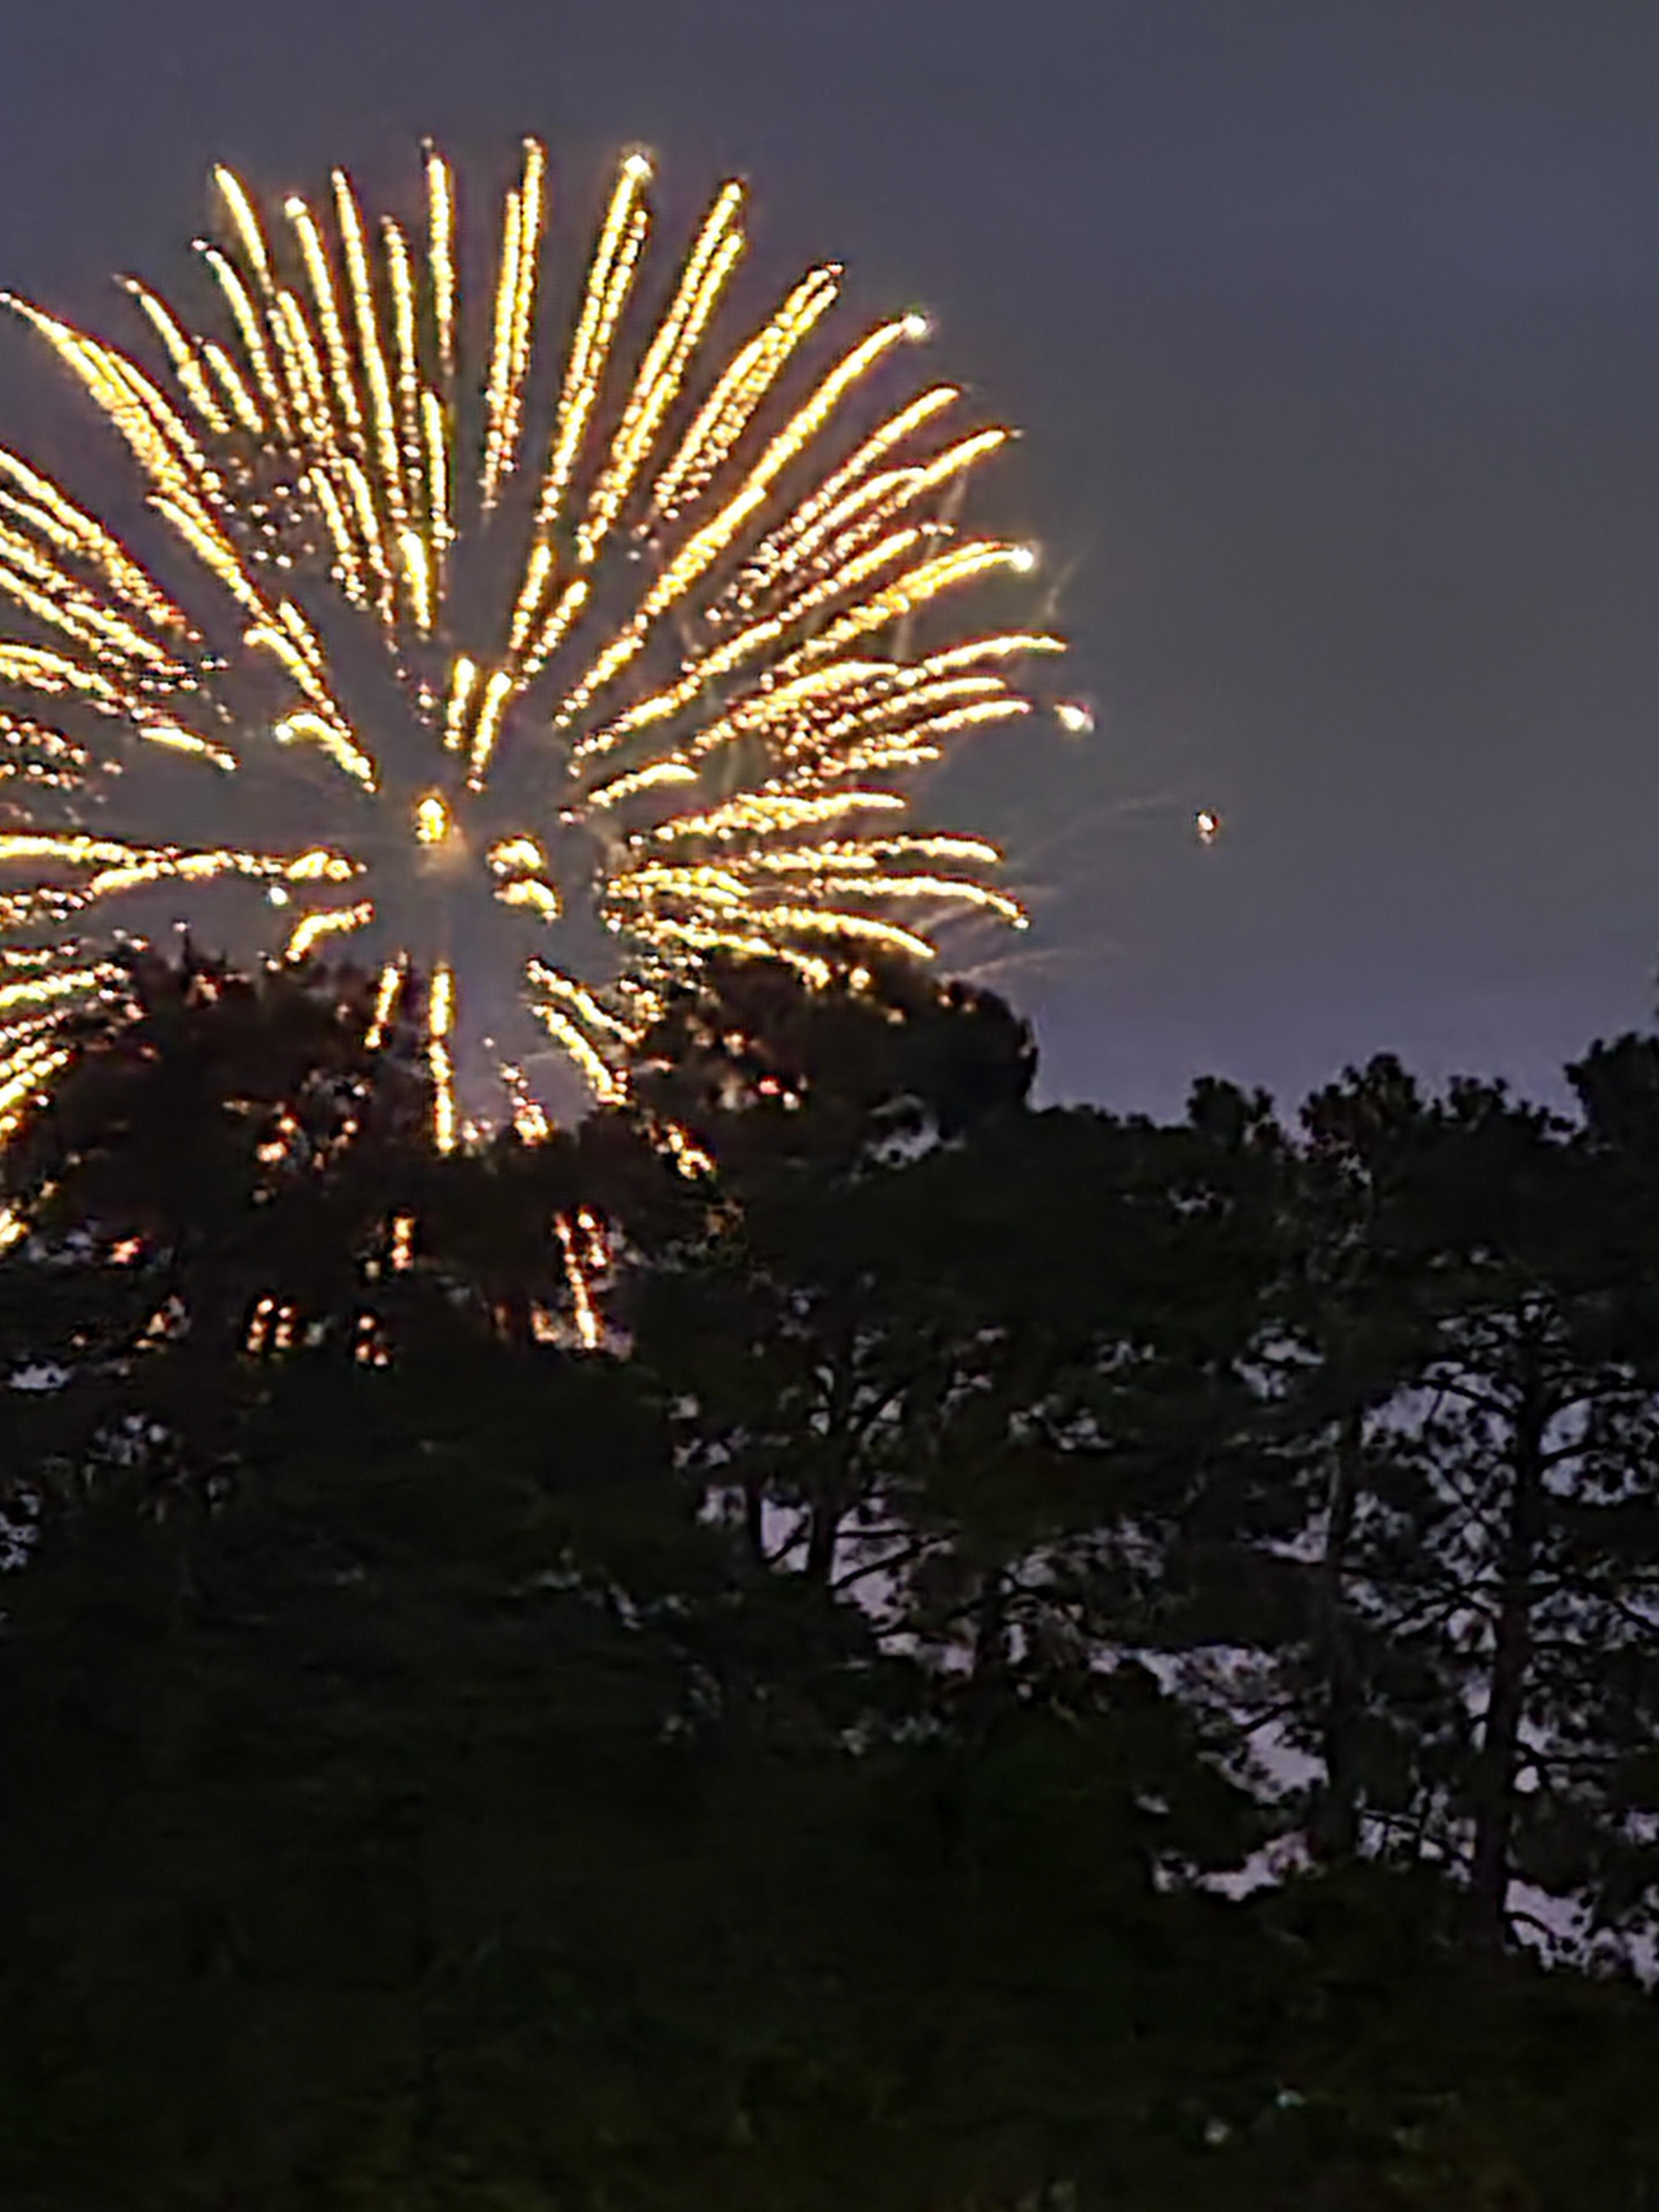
(1335, 334)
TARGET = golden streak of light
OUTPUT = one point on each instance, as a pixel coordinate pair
(1010, 645)
(440, 259)
(33, 669)
(1074, 717)
(501, 358)
(440, 1023)
(14, 1227)
(692, 561)
(931, 848)
(400, 282)
(180, 452)
(577, 995)
(497, 692)
(571, 601)
(818, 549)
(320, 866)
(78, 850)
(785, 702)
(866, 505)
(705, 937)
(701, 551)
(707, 268)
(278, 639)
(347, 569)
(75, 531)
(125, 866)
(961, 890)
(463, 677)
(642, 779)
(602, 1079)
(313, 729)
(215, 555)
(596, 1249)
(246, 317)
(176, 739)
(440, 1002)
(851, 564)
(63, 602)
(369, 523)
(539, 570)
(245, 221)
(885, 440)
(530, 1123)
(155, 435)
(752, 372)
(659, 706)
(531, 204)
(764, 813)
(809, 419)
(360, 281)
(435, 440)
(302, 369)
(702, 671)
(326, 921)
(18, 732)
(235, 387)
(67, 620)
(53, 989)
(385, 999)
(610, 272)
(910, 747)
(182, 355)
(905, 595)
(821, 921)
(402, 1253)
(888, 709)
(320, 278)
(587, 1322)
(417, 578)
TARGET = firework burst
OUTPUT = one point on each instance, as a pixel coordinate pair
(611, 658)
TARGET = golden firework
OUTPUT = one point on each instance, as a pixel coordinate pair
(620, 640)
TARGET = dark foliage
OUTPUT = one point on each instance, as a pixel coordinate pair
(1054, 1663)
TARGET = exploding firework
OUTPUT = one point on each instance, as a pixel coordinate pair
(578, 680)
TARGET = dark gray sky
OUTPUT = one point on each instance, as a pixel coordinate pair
(1334, 332)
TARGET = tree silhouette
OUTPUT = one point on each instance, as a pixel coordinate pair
(809, 1750)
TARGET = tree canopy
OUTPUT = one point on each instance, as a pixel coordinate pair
(1046, 1660)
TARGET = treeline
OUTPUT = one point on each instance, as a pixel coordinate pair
(1049, 1660)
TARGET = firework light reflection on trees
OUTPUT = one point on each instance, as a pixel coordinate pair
(567, 677)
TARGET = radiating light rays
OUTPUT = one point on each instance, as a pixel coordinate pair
(685, 728)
